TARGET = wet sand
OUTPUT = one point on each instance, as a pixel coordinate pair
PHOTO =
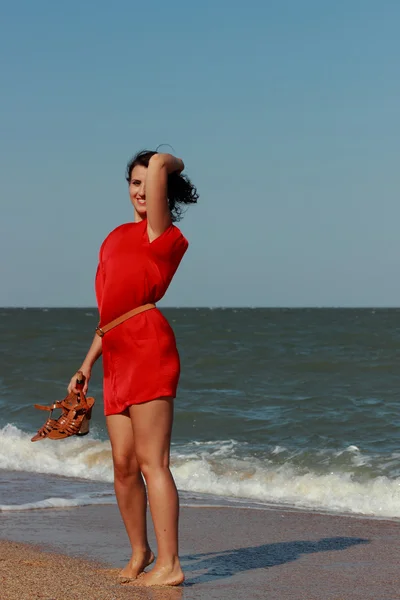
(227, 553)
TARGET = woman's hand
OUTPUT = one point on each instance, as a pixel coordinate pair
(171, 163)
(72, 384)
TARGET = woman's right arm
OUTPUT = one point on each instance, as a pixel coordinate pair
(94, 353)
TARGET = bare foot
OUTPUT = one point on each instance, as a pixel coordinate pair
(135, 566)
(162, 576)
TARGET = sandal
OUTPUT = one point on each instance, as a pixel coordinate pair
(46, 429)
(75, 421)
(75, 417)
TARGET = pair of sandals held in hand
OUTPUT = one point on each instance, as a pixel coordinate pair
(75, 416)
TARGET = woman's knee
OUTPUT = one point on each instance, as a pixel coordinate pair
(151, 469)
(125, 467)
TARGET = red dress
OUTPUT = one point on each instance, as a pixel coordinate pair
(140, 358)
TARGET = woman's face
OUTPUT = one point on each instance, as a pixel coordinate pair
(137, 190)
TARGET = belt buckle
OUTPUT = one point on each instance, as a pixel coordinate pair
(99, 331)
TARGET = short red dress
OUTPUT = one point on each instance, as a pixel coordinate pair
(140, 358)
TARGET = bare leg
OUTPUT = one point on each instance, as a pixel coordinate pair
(130, 492)
(152, 425)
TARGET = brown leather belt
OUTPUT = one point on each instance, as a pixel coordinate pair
(136, 311)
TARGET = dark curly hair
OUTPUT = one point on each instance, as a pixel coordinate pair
(180, 188)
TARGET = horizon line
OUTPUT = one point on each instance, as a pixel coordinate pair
(218, 307)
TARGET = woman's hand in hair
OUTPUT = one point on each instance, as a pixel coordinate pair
(170, 162)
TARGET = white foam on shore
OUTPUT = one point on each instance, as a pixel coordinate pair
(214, 468)
(56, 503)
(333, 492)
(74, 457)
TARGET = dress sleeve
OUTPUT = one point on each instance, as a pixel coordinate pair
(168, 250)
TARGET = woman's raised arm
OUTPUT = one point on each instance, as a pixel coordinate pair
(158, 213)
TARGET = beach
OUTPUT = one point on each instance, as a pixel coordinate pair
(227, 553)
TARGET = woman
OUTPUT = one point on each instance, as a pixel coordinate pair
(140, 359)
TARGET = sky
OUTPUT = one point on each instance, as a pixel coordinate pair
(285, 112)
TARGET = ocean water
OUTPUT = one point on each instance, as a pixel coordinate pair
(276, 407)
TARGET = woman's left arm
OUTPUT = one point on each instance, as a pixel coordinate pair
(158, 213)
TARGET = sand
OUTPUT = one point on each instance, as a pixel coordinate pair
(227, 553)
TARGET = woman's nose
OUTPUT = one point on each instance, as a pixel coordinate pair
(142, 190)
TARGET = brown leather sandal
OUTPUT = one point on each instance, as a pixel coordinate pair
(75, 421)
(75, 417)
(46, 429)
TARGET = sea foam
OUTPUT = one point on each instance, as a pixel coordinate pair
(212, 468)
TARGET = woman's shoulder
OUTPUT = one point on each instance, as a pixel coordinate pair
(178, 236)
(123, 229)
(116, 235)
(171, 240)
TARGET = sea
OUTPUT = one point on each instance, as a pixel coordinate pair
(293, 408)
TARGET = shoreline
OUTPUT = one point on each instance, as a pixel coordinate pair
(227, 553)
(65, 492)
(203, 500)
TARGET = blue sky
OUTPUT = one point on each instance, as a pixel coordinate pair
(285, 112)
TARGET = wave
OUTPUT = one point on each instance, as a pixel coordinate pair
(73, 457)
(222, 469)
(83, 500)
